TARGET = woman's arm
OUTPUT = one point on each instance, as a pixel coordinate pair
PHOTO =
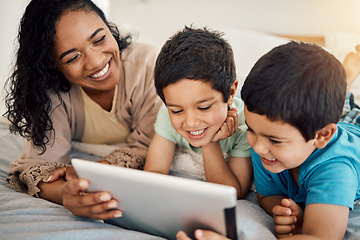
(138, 103)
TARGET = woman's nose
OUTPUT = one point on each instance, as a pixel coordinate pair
(94, 60)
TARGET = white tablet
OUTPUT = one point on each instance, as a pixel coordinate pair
(160, 204)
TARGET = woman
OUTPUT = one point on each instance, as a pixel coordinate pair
(77, 79)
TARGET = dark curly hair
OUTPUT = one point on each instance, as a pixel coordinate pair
(34, 75)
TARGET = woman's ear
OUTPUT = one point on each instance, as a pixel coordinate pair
(323, 136)
(232, 92)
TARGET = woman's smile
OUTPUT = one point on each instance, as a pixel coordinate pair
(101, 73)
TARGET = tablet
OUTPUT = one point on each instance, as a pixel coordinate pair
(160, 204)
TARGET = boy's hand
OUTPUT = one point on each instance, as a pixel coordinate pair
(351, 65)
(229, 127)
(288, 218)
(201, 234)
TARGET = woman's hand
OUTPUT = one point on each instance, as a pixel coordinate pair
(201, 235)
(67, 173)
(74, 194)
(229, 127)
(99, 205)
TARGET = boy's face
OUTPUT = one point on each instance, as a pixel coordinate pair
(280, 145)
(196, 110)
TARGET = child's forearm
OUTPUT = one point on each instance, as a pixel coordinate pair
(269, 202)
(216, 168)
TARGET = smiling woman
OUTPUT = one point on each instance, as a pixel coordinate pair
(77, 79)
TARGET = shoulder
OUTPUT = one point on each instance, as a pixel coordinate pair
(349, 128)
(239, 104)
(66, 98)
(163, 117)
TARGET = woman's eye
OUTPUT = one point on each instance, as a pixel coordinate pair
(205, 108)
(100, 40)
(72, 59)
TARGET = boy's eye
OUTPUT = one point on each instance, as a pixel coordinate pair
(250, 130)
(176, 111)
(100, 40)
(274, 141)
(205, 108)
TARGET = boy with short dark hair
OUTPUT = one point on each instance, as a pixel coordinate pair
(306, 164)
(195, 77)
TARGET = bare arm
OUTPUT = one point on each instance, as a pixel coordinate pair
(216, 168)
(237, 172)
(269, 202)
(160, 155)
(320, 221)
(323, 221)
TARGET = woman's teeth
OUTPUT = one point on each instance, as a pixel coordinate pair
(102, 72)
(197, 132)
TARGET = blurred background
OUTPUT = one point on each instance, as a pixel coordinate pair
(252, 27)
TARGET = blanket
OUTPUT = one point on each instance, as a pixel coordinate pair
(26, 217)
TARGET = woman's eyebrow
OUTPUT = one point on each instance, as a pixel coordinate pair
(74, 49)
(67, 52)
(94, 33)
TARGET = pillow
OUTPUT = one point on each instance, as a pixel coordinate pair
(248, 46)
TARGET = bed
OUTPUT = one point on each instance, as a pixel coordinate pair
(25, 217)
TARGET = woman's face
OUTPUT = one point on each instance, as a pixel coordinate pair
(86, 52)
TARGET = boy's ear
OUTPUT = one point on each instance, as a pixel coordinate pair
(232, 92)
(323, 136)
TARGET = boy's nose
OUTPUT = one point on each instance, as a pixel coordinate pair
(190, 119)
(259, 147)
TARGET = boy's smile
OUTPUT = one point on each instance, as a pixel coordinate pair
(196, 110)
(280, 145)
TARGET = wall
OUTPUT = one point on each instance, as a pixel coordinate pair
(155, 20)
(10, 14)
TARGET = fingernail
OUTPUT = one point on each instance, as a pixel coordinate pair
(83, 184)
(119, 214)
(105, 197)
(198, 233)
(112, 204)
(49, 179)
